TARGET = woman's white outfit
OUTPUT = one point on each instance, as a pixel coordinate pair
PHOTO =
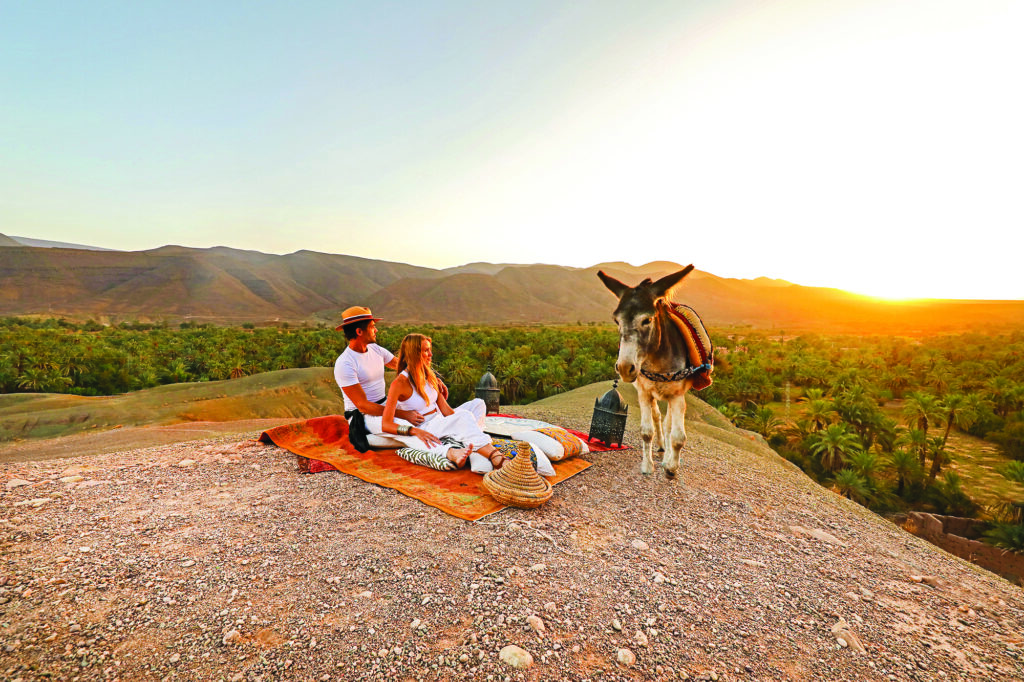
(463, 425)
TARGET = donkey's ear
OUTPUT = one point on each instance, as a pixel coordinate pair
(665, 284)
(614, 285)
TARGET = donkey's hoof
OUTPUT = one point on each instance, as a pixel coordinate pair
(670, 474)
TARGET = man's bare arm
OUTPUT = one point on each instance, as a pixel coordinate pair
(358, 397)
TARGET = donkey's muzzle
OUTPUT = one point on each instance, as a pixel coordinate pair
(627, 370)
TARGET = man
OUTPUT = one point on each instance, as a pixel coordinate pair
(359, 372)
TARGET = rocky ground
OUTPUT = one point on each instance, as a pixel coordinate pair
(216, 559)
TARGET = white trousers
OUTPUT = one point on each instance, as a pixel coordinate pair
(464, 424)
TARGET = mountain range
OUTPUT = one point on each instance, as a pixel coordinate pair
(231, 286)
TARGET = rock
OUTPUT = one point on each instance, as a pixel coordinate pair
(188, 564)
(640, 545)
(550, 607)
(538, 568)
(518, 658)
(536, 623)
(72, 479)
(617, 625)
(17, 483)
(817, 534)
(232, 637)
(659, 578)
(845, 637)
(365, 595)
(185, 463)
(414, 624)
(625, 657)
(751, 562)
(175, 658)
(640, 638)
(35, 504)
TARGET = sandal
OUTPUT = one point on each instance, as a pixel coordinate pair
(502, 459)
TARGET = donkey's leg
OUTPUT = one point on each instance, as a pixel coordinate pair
(647, 428)
(676, 436)
(659, 427)
(666, 431)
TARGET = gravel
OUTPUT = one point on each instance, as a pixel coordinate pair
(216, 559)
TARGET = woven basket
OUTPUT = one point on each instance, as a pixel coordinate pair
(517, 484)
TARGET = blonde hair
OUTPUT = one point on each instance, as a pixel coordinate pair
(410, 355)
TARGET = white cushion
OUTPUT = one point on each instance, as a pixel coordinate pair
(383, 442)
(504, 427)
(551, 447)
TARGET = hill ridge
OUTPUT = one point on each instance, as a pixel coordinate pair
(229, 286)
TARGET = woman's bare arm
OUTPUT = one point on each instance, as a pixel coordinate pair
(442, 404)
(401, 389)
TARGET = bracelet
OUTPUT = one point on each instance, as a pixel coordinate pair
(404, 430)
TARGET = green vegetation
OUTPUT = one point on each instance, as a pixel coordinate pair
(891, 423)
(54, 356)
(894, 423)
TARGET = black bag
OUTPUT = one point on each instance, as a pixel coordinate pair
(357, 429)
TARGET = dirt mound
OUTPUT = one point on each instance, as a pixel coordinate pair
(216, 559)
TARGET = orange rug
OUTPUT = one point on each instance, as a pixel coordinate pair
(459, 493)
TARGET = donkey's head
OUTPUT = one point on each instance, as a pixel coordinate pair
(637, 316)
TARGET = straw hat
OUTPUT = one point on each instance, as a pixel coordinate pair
(356, 313)
(517, 483)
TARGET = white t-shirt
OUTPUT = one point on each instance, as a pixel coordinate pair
(365, 369)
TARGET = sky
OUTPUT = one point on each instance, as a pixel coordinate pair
(871, 145)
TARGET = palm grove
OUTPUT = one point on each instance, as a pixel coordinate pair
(870, 417)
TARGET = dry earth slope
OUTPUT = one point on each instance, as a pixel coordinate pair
(215, 559)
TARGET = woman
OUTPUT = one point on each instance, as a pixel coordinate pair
(415, 389)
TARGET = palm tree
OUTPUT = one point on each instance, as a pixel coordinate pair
(897, 380)
(852, 485)
(820, 413)
(833, 445)
(763, 421)
(32, 379)
(939, 456)
(812, 394)
(919, 409)
(865, 463)
(512, 379)
(903, 462)
(1013, 471)
(460, 374)
(957, 411)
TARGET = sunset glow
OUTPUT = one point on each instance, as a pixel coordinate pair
(865, 145)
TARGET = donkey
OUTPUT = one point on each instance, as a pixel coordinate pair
(653, 354)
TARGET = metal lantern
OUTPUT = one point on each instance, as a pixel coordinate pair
(609, 420)
(487, 390)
